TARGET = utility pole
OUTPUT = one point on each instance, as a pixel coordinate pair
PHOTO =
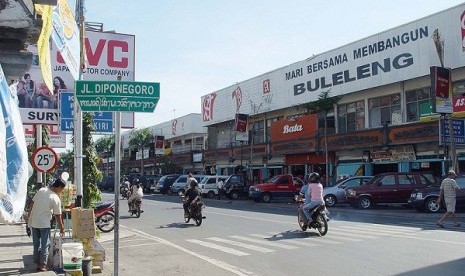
(439, 43)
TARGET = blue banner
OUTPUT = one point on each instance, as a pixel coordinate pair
(13, 188)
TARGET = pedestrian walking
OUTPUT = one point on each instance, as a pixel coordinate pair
(220, 185)
(45, 203)
(448, 190)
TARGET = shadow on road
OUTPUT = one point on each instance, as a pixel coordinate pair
(176, 225)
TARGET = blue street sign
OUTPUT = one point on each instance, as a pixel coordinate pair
(458, 127)
(103, 121)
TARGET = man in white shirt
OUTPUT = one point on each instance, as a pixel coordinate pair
(220, 186)
(45, 203)
(136, 193)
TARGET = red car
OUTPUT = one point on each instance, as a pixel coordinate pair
(388, 188)
(283, 186)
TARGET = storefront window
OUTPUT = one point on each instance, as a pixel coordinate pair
(385, 109)
(331, 125)
(418, 104)
(351, 116)
(258, 129)
(269, 122)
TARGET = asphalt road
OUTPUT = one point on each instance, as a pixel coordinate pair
(248, 238)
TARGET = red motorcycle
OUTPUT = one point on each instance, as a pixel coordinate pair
(105, 216)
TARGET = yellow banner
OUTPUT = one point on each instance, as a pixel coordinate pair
(43, 44)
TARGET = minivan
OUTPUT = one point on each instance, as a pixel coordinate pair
(209, 185)
(180, 184)
(164, 183)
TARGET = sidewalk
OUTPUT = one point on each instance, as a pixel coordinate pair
(16, 253)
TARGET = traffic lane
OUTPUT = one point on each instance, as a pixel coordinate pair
(391, 214)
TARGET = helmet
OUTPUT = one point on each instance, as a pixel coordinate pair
(313, 177)
(136, 180)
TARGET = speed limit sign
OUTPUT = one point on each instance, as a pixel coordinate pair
(44, 159)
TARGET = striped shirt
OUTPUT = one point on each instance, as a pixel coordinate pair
(448, 186)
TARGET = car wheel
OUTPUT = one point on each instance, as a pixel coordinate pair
(235, 195)
(266, 197)
(330, 200)
(431, 205)
(181, 192)
(365, 202)
(211, 194)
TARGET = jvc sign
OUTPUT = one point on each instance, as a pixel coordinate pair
(117, 96)
(459, 131)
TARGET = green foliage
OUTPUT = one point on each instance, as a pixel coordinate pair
(140, 138)
(91, 175)
(325, 103)
(167, 166)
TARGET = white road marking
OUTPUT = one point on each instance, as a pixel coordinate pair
(233, 269)
(351, 234)
(135, 245)
(326, 237)
(381, 230)
(268, 243)
(219, 247)
(304, 240)
(241, 244)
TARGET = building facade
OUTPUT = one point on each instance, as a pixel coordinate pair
(384, 120)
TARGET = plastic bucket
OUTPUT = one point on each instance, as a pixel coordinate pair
(72, 256)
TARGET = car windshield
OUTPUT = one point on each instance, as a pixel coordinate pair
(204, 180)
(273, 179)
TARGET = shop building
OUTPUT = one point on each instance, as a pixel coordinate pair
(182, 140)
(384, 120)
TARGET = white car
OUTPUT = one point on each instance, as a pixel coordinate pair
(337, 193)
(180, 184)
(209, 185)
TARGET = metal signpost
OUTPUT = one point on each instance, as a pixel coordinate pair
(120, 97)
(103, 121)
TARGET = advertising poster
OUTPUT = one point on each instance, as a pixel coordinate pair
(441, 89)
(241, 127)
(108, 55)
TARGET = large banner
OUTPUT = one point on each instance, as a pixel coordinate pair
(13, 158)
(108, 55)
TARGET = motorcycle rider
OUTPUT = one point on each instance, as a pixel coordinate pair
(315, 191)
(136, 193)
(192, 194)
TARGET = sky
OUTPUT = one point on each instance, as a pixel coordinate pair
(193, 48)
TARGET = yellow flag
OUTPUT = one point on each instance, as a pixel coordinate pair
(43, 44)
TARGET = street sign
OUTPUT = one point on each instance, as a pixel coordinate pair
(44, 159)
(117, 96)
(459, 131)
(103, 121)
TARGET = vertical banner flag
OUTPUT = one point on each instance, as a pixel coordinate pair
(66, 37)
(441, 88)
(241, 127)
(43, 44)
(13, 185)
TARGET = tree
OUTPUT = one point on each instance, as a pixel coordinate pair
(106, 144)
(324, 105)
(140, 138)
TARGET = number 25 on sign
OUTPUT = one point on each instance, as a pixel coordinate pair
(44, 159)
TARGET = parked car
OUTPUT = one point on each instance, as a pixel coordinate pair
(180, 184)
(236, 186)
(337, 194)
(283, 186)
(107, 184)
(388, 188)
(163, 185)
(209, 185)
(426, 198)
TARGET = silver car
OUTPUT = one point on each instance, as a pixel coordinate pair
(337, 193)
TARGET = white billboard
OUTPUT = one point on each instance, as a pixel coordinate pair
(108, 55)
(392, 56)
(57, 139)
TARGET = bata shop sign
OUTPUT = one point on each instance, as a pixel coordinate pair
(301, 127)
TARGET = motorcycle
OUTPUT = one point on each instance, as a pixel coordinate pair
(124, 190)
(105, 216)
(319, 219)
(135, 207)
(194, 211)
